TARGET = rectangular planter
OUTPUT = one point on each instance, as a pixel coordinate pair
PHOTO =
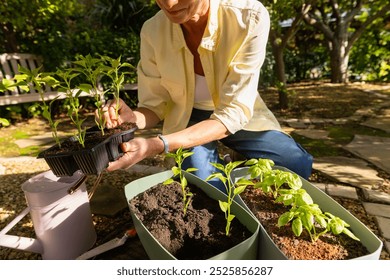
(91, 161)
(269, 251)
(62, 164)
(245, 250)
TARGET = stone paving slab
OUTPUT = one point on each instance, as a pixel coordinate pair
(348, 170)
(376, 196)
(313, 133)
(342, 191)
(387, 246)
(377, 209)
(2, 169)
(382, 123)
(38, 140)
(384, 226)
(321, 186)
(108, 201)
(373, 149)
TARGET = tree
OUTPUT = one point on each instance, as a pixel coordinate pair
(21, 21)
(342, 23)
(281, 34)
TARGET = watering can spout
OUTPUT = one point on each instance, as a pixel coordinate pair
(21, 243)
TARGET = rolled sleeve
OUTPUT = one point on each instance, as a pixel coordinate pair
(239, 92)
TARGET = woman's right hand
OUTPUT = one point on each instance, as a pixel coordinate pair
(125, 114)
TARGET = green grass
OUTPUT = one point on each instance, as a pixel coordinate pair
(319, 148)
(339, 136)
(20, 135)
(344, 134)
(30, 151)
(8, 148)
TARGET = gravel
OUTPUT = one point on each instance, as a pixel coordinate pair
(12, 202)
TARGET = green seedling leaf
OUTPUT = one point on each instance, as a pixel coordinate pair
(336, 225)
(307, 220)
(321, 221)
(285, 218)
(293, 180)
(184, 182)
(225, 177)
(218, 166)
(223, 205)
(230, 218)
(4, 122)
(191, 169)
(350, 234)
(303, 198)
(297, 227)
(239, 189)
(168, 181)
(179, 157)
(217, 176)
(252, 161)
(176, 170)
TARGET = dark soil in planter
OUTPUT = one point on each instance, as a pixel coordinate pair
(327, 247)
(198, 235)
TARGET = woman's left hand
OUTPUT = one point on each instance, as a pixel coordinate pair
(136, 150)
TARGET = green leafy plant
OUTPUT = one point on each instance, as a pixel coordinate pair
(286, 188)
(38, 80)
(117, 76)
(93, 70)
(83, 77)
(232, 190)
(316, 223)
(4, 122)
(177, 170)
(271, 180)
(72, 96)
(7, 84)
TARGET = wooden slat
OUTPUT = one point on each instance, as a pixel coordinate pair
(9, 67)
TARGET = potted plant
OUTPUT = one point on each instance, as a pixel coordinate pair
(295, 213)
(90, 149)
(197, 239)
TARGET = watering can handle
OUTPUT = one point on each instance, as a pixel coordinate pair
(72, 189)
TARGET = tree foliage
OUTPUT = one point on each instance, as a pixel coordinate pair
(285, 22)
(342, 23)
(59, 30)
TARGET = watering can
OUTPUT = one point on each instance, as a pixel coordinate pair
(61, 216)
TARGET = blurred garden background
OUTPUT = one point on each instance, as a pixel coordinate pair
(335, 41)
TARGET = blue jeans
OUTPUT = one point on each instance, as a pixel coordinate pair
(272, 144)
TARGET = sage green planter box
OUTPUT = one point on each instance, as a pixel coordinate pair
(245, 250)
(269, 251)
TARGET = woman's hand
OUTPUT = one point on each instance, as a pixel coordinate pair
(136, 150)
(125, 114)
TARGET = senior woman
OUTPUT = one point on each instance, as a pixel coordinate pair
(198, 73)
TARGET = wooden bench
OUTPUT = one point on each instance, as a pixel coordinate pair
(9, 67)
